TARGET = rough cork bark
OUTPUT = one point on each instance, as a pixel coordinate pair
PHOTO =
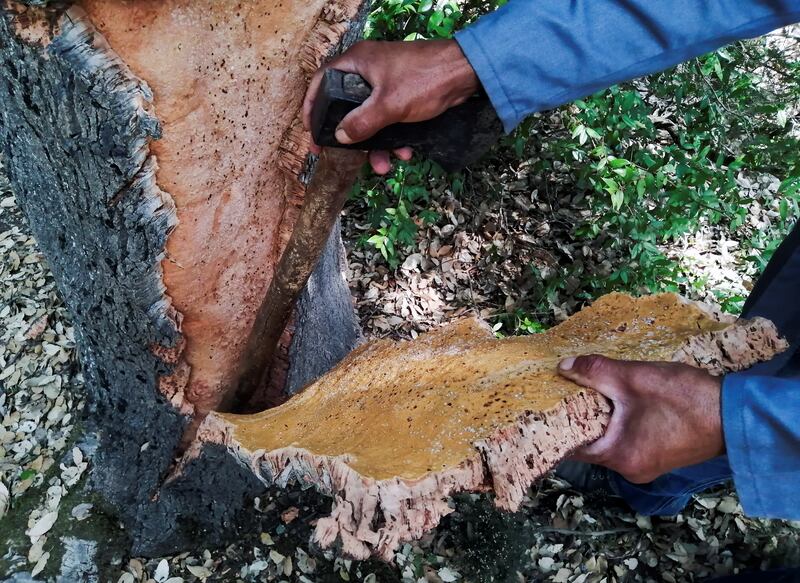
(397, 428)
(156, 149)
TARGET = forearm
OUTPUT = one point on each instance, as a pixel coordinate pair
(762, 437)
(533, 55)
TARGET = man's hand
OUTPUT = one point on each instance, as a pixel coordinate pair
(411, 81)
(666, 415)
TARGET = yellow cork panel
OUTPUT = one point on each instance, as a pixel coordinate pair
(403, 409)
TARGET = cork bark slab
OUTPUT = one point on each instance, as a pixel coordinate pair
(397, 427)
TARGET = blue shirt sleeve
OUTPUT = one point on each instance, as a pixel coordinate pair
(762, 436)
(534, 55)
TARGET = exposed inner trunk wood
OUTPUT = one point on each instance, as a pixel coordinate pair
(397, 427)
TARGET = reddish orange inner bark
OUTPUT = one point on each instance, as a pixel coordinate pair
(228, 79)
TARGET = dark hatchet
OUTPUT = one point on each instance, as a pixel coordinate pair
(456, 138)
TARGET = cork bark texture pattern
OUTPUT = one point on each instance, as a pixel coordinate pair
(155, 149)
(396, 428)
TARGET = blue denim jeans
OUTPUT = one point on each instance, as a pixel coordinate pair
(669, 494)
(773, 297)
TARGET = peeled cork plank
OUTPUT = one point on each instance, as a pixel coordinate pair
(397, 428)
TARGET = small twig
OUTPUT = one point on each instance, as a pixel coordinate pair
(589, 533)
(717, 97)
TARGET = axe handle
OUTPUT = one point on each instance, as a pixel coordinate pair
(325, 197)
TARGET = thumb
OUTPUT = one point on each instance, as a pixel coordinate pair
(605, 375)
(310, 98)
(364, 121)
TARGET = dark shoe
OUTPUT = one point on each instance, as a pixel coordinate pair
(587, 478)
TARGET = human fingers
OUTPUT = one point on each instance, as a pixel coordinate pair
(380, 161)
(350, 62)
(365, 120)
(404, 154)
(310, 98)
(623, 451)
(605, 375)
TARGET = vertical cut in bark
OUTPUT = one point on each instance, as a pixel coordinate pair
(324, 201)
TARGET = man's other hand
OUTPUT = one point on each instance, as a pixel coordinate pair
(411, 81)
(666, 415)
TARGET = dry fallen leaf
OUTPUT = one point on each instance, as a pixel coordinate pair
(447, 575)
(287, 566)
(162, 571)
(37, 328)
(44, 524)
(199, 571)
(136, 567)
(728, 505)
(82, 511)
(40, 565)
(562, 576)
(290, 514)
(266, 539)
(4, 499)
(37, 550)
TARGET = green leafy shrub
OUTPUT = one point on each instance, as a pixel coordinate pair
(651, 180)
(397, 205)
(413, 19)
(655, 159)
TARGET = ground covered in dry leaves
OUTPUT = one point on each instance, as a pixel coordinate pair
(470, 260)
(506, 235)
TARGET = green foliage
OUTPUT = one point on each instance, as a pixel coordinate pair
(397, 205)
(656, 159)
(424, 19)
(517, 323)
(26, 474)
(652, 179)
(641, 194)
(413, 19)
